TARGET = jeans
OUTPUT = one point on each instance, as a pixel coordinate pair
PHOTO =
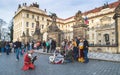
(7, 51)
(75, 51)
(85, 55)
(18, 50)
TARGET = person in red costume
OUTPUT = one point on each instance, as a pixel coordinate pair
(29, 61)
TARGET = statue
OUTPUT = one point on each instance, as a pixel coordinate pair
(37, 29)
(19, 6)
(34, 5)
(53, 26)
(53, 16)
(78, 18)
(105, 5)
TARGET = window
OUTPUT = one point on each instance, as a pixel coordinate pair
(99, 34)
(27, 15)
(100, 41)
(42, 18)
(92, 21)
(42, 26)
(47, 23)
(37, 17)
(32, 16)
(113, 32)
(27, 24)
(32, 25)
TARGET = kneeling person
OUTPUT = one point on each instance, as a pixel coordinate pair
(29, 61)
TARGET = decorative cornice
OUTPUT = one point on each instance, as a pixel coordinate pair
(22, 9)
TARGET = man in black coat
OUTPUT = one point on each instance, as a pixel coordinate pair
(85, 51)
(17, 49)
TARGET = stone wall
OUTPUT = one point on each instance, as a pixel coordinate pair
(104, 49)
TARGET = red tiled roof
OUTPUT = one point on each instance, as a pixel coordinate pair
(112, 5)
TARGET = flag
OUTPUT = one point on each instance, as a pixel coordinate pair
(86, 20)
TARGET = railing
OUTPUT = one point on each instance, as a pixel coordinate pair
(99, 45)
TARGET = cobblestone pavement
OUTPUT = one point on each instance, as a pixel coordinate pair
(8, 66)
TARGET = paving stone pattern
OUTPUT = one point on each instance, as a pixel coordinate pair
(8, 66)
(104, 56)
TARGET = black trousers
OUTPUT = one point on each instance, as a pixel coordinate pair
(34, 58)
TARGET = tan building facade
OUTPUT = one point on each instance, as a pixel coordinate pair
(26, 17)
(101, 27)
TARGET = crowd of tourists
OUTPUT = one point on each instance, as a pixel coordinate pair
(69, 51)
(20, 48)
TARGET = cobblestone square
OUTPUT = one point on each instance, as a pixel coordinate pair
(8, 66)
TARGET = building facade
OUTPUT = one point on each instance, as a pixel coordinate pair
(25, 20)
(100, 31)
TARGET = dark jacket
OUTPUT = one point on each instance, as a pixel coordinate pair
(18, 44)
(86, 45)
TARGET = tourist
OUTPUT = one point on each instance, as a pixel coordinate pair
(29, 60)
(17, 49)
(44, 46)
(53, 46)
(47, 45)
(85, 51)
(2, 46)
(30, 44)
(69, 52)
(7, 48)
(75, 50)
(57, 58)
(81, 54)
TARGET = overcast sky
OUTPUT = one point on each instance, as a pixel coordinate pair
(63, 8)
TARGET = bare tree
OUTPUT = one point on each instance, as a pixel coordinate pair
(2, 22)
(11, 30)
